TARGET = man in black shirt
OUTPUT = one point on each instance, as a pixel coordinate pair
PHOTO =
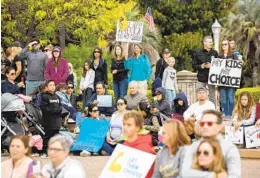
(162, 63)
(201, 62)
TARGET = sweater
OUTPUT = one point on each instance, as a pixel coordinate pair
(8, 87)
(231, 157)
(134, 100)
(169, 80)
(196, 110)
(121, 71)
(88, 80)
(247, 121)
(139, 68)
(167, 165)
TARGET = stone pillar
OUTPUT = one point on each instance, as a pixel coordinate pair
(187, 82)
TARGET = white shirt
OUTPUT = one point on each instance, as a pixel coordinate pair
(69, 168)
(196, 110)
(88, 80)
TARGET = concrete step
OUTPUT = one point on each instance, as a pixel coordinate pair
(250, 153)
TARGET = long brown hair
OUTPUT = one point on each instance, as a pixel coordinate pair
(230, 52)
(121, 57)
(239, 108)
(218, 164)
(178, 134)
(25, 140)
(84, 70)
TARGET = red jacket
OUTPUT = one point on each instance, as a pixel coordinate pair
(257, 112)
(143, 143)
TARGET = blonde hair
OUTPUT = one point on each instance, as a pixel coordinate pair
(218, 164)
(171, 58)
(177, 133)
(138, 118)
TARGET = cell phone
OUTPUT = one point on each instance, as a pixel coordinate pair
(36, 167)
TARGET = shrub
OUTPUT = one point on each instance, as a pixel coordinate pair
(255, 92)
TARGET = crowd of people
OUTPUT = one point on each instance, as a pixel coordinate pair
(191, 143)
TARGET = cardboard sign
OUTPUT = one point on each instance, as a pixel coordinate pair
(104, 100)
(225, 72)
(128, 162)
(92, 135)
(235, 137)
(252, 136)
(133, 33)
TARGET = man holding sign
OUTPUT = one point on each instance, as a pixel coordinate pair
(201, 62)
(103, 100)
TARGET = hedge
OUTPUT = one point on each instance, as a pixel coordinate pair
(255, 92)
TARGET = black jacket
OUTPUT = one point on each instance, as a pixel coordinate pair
(51, 110)
(8, 87)
(160, 66)
(200, 57)
(121, 71)
(100, 71)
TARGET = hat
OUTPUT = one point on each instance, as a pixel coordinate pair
(17, 44)
(166, 50)
(71, 121)
(157, 92)
(56, 48)
(201, 89)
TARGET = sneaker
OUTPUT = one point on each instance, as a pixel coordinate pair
(104, 153)
(95, 154)
(35, 155)
(44, 155)
(85, 153)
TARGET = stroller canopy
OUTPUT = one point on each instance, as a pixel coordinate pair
(10, 102)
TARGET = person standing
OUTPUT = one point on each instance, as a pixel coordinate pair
(57, 68)
(162, 63)
(201, 62)
(232, 45)
(99, 65)
(139, 67)
(36, 62)
(120, 79)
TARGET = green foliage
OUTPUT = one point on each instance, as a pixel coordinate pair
(255, 92)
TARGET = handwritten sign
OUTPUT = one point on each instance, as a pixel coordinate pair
(104, 100)
(252, 136)
(225, 72)
(235, 137)
(92, 135)
(128, 162)
(133, 33)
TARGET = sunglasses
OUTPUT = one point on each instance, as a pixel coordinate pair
(224, 44)
(120, 104)
(205, 153)
(208, 123)
(96, 51)
(95, 110)
(46, 50)
(12, 74)
(70, 87)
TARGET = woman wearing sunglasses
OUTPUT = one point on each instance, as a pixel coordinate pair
(209, 157)
(9, 85)
(116, 128)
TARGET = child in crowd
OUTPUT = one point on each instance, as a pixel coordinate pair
(209, 157)
(180, 106)
(35, 141)
(132, 124)
(169, 81)
(86, 85)
(51, 109)
(160, 104)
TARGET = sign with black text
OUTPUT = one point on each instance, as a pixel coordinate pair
(225, 72)
(133, 33)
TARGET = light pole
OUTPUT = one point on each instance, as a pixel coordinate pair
(216, 28)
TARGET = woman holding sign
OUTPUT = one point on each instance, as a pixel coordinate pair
(169, 160)
(227, 94)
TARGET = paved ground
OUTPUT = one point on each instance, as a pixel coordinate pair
(94, 165)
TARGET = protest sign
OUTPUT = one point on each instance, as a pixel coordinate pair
(92, 135)
(104, 100)
(128, 162)
(252, 136)
(133, 33)
(235, 137)
(225, 72)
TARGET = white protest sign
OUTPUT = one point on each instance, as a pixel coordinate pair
(104, 100)
(225, 72)
(128, 162)
(252, 136)
(133, 33)
(235, 137)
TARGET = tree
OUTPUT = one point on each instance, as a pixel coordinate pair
(244, 28)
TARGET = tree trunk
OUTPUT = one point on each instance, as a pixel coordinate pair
(62, 35)
(255, 75)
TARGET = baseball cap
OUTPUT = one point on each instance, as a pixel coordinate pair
(166, 50)
(56, 48)
(201, 89)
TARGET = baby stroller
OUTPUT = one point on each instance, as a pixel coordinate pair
(13, 119)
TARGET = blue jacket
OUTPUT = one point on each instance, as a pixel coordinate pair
(140, 68)
(8, 87)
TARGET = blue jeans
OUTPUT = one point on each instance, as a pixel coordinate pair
(227, 100)
(86, 96)
(120, 88)
(170, 95)
(31, 86)
(108, 148)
